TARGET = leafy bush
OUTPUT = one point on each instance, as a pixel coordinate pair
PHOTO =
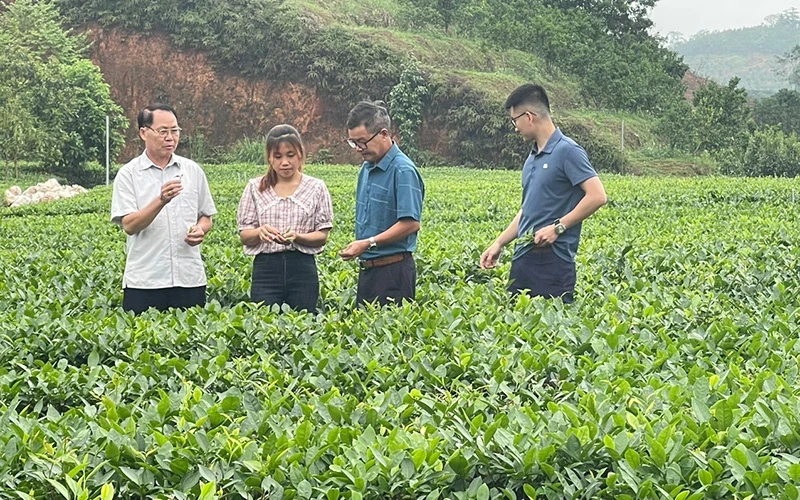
(45, 68)
(322, 156)
(406, 102)
(782, 109)
(770, 152)
(718, 122)
(604, 153)
(246, 150)
(674, 374)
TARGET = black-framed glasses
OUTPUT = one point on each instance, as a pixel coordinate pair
(164, 132)
(356, 144)
(515, 118)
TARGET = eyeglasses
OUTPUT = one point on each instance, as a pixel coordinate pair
(515, 118)
(356, 144)
(164, 132)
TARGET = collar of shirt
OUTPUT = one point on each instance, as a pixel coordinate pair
(386, 160)
(301, 187)
(145, 162)
(551, 143)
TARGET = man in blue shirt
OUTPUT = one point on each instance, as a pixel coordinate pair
(388, 209)
(559, 190)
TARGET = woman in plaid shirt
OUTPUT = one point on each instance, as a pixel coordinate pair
(284, 218)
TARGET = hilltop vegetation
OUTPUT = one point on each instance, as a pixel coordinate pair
(466, 56)
(748, 53)
(445, 68)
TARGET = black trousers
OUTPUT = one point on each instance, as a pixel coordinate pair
(388, 284)
(286, 278)
(139, 300)
(544, 274)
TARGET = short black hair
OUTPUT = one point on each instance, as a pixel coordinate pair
(372, 114)
(145, 118)
(533, 95)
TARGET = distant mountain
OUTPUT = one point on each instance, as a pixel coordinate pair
(749, 53)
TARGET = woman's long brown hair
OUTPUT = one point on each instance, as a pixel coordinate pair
(280, 134)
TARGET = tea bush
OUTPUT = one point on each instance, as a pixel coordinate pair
(675, 373)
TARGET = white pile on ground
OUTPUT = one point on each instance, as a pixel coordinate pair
(45, 191)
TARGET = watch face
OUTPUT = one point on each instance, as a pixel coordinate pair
(560, 229)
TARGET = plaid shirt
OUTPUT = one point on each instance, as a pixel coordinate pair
(307, 210)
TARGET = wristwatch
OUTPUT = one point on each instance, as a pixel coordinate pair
(372, 243)
(560, 228)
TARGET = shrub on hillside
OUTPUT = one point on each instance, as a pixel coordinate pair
(246, 150)
(770, 152)
(604, 154)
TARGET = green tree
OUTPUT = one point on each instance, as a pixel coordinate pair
(59, 95)
(19, 135)
(406, 102)
(782, 109)
(770, 152)
(719, 122)
(721, 117)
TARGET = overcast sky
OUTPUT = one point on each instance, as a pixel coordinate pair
(691, 16)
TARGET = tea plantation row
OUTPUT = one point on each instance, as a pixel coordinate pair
(674, 375)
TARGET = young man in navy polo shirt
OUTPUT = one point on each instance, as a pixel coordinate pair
(388, 209)
(559, 190)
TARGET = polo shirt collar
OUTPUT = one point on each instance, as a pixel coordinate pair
(551, 143)
(145, 162)
(387, 158)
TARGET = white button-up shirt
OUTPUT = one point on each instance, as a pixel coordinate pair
(158, 256)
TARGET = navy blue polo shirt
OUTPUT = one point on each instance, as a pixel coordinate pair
(386, 192)
(551, 181)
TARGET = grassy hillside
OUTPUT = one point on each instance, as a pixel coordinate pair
(353, 50)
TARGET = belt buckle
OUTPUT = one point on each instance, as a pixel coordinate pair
(362, 265)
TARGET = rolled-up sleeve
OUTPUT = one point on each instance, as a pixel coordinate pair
(123, 197)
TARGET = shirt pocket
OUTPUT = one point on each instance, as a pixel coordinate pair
(379, 195)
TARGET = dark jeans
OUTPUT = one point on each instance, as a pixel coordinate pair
(544, 274)
(139, 300)
(286, 278)
(388, 284)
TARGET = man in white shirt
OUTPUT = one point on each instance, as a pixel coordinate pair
(163, 203)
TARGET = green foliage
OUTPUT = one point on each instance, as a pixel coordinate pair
(58, 98)
(775, 37)
(750, 54)
(323, 156)
(493, 51)
(478, 128)
(720, 117)
(406, 102)
(19, 137)
(781, 109)
(258, 37)
(718, 122)
(659, 160)
(197, 147)
(635, 72)
(247, 150)
(605, 153)
(674, 372)
(770, 152)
